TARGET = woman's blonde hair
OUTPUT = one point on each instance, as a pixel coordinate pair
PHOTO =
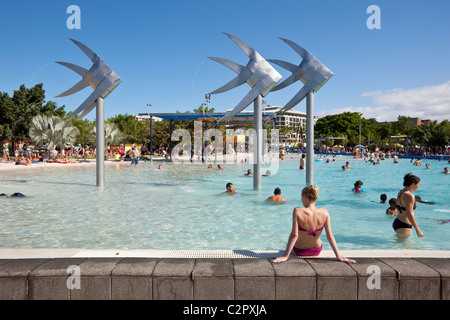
(311, 192)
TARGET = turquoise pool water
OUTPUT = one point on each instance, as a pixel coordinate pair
(183, 206)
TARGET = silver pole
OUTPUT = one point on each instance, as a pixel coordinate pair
(150, 118)
(309, 137)
(257, 123)
(100, 127)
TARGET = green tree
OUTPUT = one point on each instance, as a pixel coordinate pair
(402, 125)
(432, 135)
(7, 114)
(133, 130)
(161, 133)
(384, 132)
(17, 111)
(340, 125)
(85, 131)
(204, 109)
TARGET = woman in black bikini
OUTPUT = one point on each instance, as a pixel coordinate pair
(406, 204)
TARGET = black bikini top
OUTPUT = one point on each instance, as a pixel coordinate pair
(403, 208)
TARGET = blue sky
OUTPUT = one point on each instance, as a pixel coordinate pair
(160, 49)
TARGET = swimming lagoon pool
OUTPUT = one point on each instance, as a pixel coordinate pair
(182, 207)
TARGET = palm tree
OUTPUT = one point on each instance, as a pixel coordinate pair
(113, 135)
(85, 127)
(66, 134)
(52, 131)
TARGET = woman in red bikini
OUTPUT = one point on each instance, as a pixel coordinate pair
(307, 225)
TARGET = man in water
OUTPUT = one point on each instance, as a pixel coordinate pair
(17, 195)
(14, 195)
(230, 188)
(277, 196)
(395, 159)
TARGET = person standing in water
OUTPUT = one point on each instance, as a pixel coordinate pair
(406, 205)
(302, 162)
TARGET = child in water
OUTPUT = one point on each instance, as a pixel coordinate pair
(392, 210)
(357, 187)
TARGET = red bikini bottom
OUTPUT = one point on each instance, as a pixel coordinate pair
(307, 252)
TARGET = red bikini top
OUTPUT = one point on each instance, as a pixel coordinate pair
(311, 232)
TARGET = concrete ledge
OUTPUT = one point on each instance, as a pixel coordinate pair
(224, 279)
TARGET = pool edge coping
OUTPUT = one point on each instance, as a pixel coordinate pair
(233, 254)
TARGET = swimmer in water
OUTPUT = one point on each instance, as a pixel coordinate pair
(392, 210)
(357, 187)
(17, 195)
(249, 173)
(230, 188)
(14, 195)
(277, 196)
(419, 199)
(441, 221)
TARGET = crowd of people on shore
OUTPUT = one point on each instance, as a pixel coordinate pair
(25, 153)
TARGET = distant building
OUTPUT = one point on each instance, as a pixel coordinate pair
(142, 117)
(291, 118)
(418, 121)
(413, 121)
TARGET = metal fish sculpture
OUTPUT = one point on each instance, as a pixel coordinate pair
(258, 73)
(100, 77)
(311, 72)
